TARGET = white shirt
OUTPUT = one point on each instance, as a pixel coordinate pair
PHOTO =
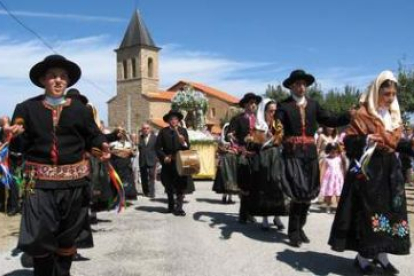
(385, 115)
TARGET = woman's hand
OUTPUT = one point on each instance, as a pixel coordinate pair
(375, 138)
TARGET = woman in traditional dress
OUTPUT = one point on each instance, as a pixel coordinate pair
(371, 218)
(266, 196)
(225, 181)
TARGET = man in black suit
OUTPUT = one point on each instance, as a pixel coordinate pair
(147, 160)
(170, 140)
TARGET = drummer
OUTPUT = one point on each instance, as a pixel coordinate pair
(170, 140)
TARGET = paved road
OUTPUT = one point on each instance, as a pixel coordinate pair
(208, 241)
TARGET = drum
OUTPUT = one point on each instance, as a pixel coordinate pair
(187, 162)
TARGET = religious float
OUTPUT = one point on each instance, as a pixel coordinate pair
(194, 105)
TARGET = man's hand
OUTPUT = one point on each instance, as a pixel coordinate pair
(106, 154)
(14, 130)
(167, 159)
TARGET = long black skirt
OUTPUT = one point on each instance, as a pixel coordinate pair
(102, 190)
(123, 166)
(225, 181)
(372, 214)
(266, 197)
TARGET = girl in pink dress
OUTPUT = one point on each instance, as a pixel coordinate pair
(332, 175)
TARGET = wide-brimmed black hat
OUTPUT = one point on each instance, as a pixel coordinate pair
(74, 93)
(298, 75)
(55, 61)
(172, 113)
(249, 96)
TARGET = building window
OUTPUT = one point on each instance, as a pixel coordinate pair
(125, 67)
(150, 68)
(213, 112)
(134, 67)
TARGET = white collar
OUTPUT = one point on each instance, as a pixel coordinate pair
(299, 100)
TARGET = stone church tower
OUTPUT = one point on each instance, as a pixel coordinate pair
(137, 76)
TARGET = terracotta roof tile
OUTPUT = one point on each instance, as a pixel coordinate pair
(208, 90)
(161, 95)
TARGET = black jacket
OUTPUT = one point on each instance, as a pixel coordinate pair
(147, 154)
(75, 132)
(289, 115)
(240, 126)
(167, 142)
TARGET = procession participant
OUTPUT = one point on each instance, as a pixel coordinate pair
(101, 190)
(332, 175)
(122, 152)
(52, 133)
(240, 129)
(9, 196)
(328, 136)
(300, 116)
(147, 160)
(170, 140)
(225, 181)
(266, 196)
(371, 218)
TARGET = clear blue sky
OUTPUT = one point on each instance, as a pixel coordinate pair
(235, 46)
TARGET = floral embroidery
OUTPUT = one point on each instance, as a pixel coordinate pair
(380, 223)
(400, 229)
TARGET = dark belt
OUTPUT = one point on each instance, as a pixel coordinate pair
(58, 172)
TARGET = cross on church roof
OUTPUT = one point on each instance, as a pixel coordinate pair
(137, 33)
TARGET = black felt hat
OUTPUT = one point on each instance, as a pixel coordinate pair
(249, 96)
(55, 61)
(74, 93)
(172, 113)
(298, 75)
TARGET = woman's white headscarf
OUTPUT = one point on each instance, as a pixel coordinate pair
(371, 98)
(223, 134)
(261, 115)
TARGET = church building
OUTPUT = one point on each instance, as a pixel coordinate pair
(139, 98)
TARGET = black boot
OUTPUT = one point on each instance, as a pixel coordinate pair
(244, 216)
(44, 266)
(171, 202)
(303, 216)
(294, 228)
(179, 211)
(62, 266)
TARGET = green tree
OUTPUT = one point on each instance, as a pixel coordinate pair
(276, 93)
(406, 92)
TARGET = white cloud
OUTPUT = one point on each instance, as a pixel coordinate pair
(339, 77)
(95, 55)
(77, 17)
(211, 69)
